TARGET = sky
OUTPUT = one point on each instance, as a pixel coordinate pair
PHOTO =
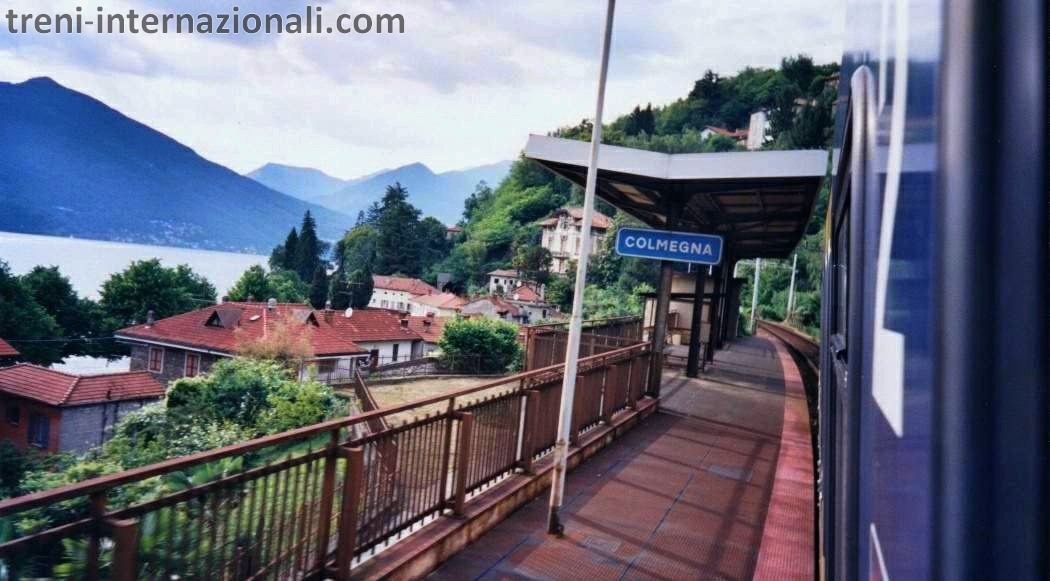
(463, 86)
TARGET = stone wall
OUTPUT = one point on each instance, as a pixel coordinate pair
(85, 427)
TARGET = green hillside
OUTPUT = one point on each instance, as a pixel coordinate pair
(499, 223)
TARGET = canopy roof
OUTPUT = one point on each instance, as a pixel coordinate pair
(760, 201)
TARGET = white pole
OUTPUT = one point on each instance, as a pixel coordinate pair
(754, 295)
(791, 289)
(568, 385)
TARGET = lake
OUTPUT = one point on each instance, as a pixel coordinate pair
(88, 263)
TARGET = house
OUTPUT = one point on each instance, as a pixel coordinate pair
(739, 135)
(503, 279)
(7, 352)
(441, 305)
(429, 329)
(188, 344)
(59, 412)
(493, 307)
(452, 231)
(561, 235)
(394, 292)
(384, 334)
(530, 303)
(758, 130)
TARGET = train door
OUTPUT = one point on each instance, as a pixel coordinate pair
(841, 372)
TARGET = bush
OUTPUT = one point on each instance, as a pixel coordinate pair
(493, 344)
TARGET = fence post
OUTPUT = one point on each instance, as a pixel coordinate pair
(125, 534)
(324, 516)
(352, 488)
(528, 446)
(466, 429)
(603, 406)
(97, 509)
(446, 450)
(629, 380)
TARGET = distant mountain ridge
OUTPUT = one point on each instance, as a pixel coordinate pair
(436, 194)
(73, 166)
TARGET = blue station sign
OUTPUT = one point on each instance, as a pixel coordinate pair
(669, 245)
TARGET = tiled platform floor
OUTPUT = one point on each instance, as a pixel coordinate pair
(682, 496)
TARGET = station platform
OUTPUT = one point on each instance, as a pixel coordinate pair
(717, 485)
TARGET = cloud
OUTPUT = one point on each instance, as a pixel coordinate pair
(464, 85)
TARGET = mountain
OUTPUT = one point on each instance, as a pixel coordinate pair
(72, 166)
(305, 183)
(440, 195)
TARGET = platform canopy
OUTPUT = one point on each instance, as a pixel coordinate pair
(760, 201)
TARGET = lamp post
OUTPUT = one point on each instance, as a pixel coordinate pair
(754, 295)
(568, 389)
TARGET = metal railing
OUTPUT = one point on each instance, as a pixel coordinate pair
(806, 346)
(312, 501)
(545, 344)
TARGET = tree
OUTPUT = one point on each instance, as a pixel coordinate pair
(22, 318)
(397, 225)
(533, 262)
(287, 287)
(283, 255)
(433, 242)
(76, 317)
(319, 287)
(145, 286)
(489, 345)
(361, 286)
(287, 343)
(308, 249)
(254, 284)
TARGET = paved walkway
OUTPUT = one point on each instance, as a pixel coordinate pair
(683, 496)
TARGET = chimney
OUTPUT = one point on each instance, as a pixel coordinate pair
(404, 323)
(271, 304)
(328, 314)
(349, 312)
(151, 318)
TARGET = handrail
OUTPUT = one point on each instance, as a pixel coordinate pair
(102, 483)
(591, 322)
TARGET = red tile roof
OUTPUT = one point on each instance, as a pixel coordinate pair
(738, 134)
(430, 333)
(524, 293)
(500, 306)
(504, 272)
(441, 301)
(63, 389)
(222, 328)
(7, 350)
(412, 286)
(599, 221)
(365, 325)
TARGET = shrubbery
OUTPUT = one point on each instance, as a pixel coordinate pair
(483, 344)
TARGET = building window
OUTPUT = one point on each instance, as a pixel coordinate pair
(14, 415)
(396, 346)
(39, 430)
(326, 367)
(156, 359)
(193, 364)
(385, 303)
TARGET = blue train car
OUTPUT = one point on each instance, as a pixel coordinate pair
(933, 401)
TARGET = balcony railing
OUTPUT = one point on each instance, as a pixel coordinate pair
(313, 501)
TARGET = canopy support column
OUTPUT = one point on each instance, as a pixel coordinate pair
(663, 304)
(692, 367)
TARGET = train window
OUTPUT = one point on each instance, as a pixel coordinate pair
(841, 266)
